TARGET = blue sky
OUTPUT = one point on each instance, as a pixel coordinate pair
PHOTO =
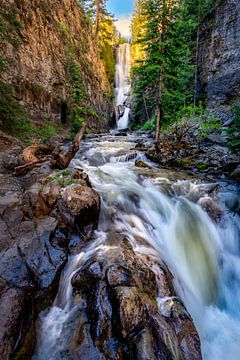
(122, 9)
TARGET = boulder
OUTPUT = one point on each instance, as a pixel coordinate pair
(235, 175)
(79, 205)
(142, 164)
(131, 308)
(12, 307)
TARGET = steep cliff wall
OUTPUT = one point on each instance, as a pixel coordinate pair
(219, 55)
(57, 58)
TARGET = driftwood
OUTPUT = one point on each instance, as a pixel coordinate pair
(30, 153)
(59, 158)
(23, 169)
(63, 158)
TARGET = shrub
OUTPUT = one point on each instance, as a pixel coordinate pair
(233, 132)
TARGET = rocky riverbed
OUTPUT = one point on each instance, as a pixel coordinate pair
(80, 280)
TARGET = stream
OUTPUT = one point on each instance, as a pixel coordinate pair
(162, 207)
(161, 213)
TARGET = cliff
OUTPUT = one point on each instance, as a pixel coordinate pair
(57, 67)
(219, 56)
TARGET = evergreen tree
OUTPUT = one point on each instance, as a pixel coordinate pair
(161, 78)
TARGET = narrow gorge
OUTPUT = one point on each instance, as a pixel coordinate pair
(116, 245)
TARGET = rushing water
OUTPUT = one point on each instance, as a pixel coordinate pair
(163, 208)
(122, 85)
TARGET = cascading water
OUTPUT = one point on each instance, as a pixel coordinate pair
(122, 85)
(154, 205)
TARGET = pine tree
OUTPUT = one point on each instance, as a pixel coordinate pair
(161, 79)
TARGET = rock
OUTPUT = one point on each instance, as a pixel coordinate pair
(85, 279)
(235, 175)
(142, 164)
(132, 309)
(79, 205)
(118, 275)
(143, 346)
(211, 208)
(218, 58)
(10, 161)
(125, 312)
(12, 303)
(46, 199)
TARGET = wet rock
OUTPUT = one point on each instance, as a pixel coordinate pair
(235, 175)
(127, 313)
(132, 310)
(118, 275)
(211, 208)
(79, 205)
(86, 278)
(143, 346)
(142, 164)
(12, 303)
(13, 269)
(183, 326)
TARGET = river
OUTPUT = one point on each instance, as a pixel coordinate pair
(164, 208)
(161, 212)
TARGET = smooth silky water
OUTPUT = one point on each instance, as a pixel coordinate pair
(159, 212)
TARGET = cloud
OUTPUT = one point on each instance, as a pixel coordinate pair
(123, 26)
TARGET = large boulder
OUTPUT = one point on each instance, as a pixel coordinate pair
(131, 309)
(79, 205)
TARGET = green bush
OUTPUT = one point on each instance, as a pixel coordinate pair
(208, 125)
(150, 124)
(233, 132)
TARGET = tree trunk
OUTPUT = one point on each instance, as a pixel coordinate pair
(63, 158)
(97, 21)
(159, 111)
(197, 51)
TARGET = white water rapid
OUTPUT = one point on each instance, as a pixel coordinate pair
(122, 84)
(160, 213)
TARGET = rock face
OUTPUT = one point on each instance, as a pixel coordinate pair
(219, 55)
(40, 67)
(131, 309)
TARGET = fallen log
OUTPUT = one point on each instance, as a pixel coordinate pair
(63, 157)
(60, 158)
(23, 169)
(30, 153)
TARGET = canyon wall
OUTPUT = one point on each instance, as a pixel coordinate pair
(219, 56)
(57, 42)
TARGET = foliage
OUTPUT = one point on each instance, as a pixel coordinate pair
(165, 40)
(102, 25)
(168, 55)
(150, 124)
(209, 125)
(62, 177)
(12, 115)
(233, 132)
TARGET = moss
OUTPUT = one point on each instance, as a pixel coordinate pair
(201, 166)
(233, 132)
(186, 162)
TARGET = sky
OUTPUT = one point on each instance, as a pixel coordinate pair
(122, 9)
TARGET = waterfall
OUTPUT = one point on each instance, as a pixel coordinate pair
(122, 85)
